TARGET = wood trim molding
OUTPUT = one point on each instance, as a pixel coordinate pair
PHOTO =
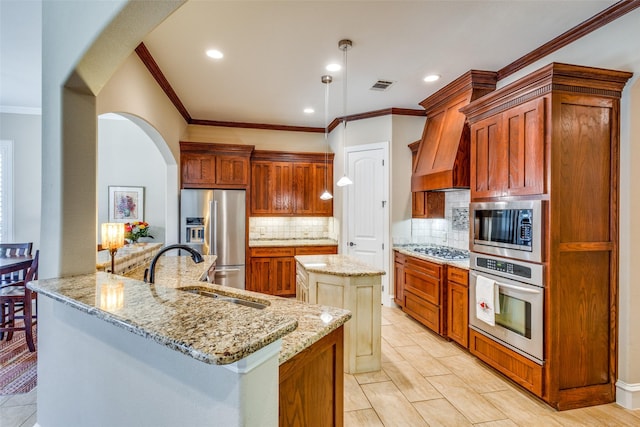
(595, 22)
(256, 126)
(208, 147)
(154, 69)
(287, 156)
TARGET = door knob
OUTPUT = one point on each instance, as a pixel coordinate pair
(351, 244)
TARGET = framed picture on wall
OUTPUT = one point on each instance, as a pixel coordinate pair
(126, 204)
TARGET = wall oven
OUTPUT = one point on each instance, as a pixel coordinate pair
(520, 291)
(512, 229)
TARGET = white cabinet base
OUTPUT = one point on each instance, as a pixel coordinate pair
(362, 296)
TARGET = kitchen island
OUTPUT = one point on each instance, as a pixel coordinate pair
(344, 281)
(114, 350)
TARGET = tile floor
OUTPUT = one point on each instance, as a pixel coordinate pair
(424, 381)
(18, 410)
(427, 381)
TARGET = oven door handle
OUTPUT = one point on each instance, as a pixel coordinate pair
(518, 288)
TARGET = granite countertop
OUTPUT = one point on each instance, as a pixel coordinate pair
(256, 243)
(408, 250)
(127, 256)
(337, 265)
(209, 330)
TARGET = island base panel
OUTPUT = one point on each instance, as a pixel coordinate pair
(312, 385)
(91, 372)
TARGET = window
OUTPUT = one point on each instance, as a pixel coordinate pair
(6, 191)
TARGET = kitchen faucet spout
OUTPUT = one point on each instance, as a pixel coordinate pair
(195, 256)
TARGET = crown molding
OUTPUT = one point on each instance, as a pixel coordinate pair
(597, 21)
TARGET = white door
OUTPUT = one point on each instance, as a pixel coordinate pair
(366, 207)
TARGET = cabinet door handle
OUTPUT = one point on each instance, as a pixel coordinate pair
(352, 244)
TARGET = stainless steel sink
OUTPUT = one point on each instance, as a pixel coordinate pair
(220, 297)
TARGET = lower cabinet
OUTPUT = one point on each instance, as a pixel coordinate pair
(436, 295)
(458, 305)
(272, 270)
(424, 296)
(517, 367)
(311, 391)
(398, 278)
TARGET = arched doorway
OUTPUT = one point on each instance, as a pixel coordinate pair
(131, 152)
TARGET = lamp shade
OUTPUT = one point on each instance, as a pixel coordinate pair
(112, 235)
(345, 180)
(326, 195)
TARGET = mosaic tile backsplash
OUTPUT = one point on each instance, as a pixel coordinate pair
(451, 231)
(460, 219)
(276, 228)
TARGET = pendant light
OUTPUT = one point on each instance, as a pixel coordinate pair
(344, 45)
(326, 79)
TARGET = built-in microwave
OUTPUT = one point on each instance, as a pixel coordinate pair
(511, 229)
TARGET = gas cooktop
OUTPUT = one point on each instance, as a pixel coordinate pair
(442, 252)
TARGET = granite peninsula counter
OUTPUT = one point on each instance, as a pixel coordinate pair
(140, 348)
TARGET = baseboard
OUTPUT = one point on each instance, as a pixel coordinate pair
(628, 395)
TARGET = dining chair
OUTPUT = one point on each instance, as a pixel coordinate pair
(10, 250)
(15, 297)
(15, 249)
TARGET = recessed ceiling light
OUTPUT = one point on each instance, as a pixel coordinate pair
(214, 53)
(309, 110)
(431, 78)
(334, 67)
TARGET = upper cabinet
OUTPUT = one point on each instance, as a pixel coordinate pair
(204, 165)
(290, 184)
(425, 204)
(507, 152)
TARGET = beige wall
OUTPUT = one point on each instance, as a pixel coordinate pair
(406, 129)
(629, 289)
(261, 138)
(133, 90)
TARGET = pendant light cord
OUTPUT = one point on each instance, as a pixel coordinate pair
(326, 134)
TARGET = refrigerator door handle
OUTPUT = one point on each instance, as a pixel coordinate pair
(213, 227)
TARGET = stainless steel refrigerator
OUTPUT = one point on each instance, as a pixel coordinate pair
(213, 222)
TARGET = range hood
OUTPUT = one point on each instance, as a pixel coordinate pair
(443, 158)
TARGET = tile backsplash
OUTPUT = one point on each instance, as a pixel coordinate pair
(453, 230)
(276, 228)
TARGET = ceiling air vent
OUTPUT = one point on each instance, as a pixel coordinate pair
(381, 85)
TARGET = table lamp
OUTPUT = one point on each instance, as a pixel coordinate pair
(112, 239)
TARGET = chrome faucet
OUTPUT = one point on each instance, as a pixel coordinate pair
(195, 256)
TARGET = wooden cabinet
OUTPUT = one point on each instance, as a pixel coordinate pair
(458, 305)
(554, 134)
(507, 152)
(398, 278)
(197, 169)
(311, 390)
(425, 204)
(272, 270)
(290, 184)
(424, 296)
(232, 170)
(214, 165)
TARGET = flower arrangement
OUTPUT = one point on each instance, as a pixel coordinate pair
(135, 230)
